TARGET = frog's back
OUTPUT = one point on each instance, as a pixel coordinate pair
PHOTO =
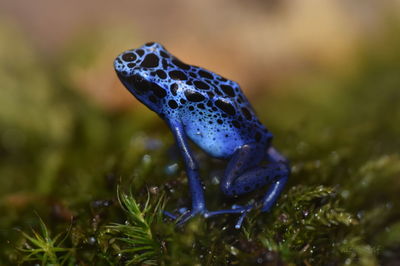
(214, 111)
(224, 121)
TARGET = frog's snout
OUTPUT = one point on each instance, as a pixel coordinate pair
(125, 63)
(119, 66)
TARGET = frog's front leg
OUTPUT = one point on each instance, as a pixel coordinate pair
(196, 189)
(245, 174)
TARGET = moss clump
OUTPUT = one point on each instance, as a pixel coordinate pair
(134, 240)
(41, 247)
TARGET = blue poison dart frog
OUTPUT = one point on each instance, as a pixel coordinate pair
(213, 112)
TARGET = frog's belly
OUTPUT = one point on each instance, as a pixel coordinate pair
(217, 143)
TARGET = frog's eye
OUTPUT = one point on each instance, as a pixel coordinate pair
(139, 85)
(136, 83)
(157, 90)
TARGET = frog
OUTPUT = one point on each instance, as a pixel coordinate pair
(211, 111)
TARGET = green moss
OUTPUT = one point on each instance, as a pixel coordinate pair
(65, 157)
(134, 241)
(41, 247)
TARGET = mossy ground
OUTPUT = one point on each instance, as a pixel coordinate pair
(63, 159)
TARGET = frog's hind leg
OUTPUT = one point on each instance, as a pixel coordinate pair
(245, 174)
(279, 178)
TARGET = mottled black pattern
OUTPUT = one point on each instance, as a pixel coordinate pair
(214, 110)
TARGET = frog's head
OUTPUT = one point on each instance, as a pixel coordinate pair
(140, 70)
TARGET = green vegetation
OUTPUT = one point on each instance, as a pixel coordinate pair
(136, 233)
(65, 158)
(42, 248)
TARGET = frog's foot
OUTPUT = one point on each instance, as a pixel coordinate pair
(243, 210)
(170, 215)
(185, 215)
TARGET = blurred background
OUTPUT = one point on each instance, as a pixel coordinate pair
(322, 75)
(254, 42)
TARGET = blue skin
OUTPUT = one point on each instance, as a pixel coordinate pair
(212, 112)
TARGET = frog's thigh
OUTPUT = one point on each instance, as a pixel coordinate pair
(244, 172)
(246, 158)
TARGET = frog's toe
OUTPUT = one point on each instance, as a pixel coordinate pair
(241, 218)
(234, 209)
(187, 216)
(170, 215)
(243, 210)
